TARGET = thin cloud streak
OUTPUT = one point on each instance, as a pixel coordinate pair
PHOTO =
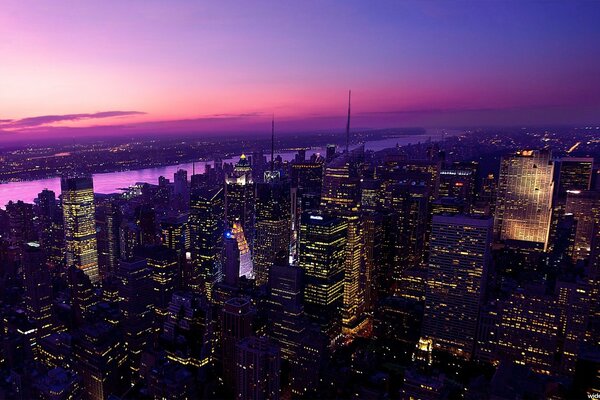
(32, 122)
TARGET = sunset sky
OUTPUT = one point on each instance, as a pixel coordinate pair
(104, 67)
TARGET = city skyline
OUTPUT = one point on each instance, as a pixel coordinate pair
(113, 68)
(183, 215)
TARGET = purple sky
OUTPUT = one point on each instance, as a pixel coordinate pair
(73, 68)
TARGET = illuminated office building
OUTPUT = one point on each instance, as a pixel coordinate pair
(57, 384)
(83, 295)
(372, 258)
(239, 198)
(340, 196)
(575, 300)
(50, 225)
(529, 330)
(575, 173)
(425, 173)
(305, 194)
(307, 366)
(272, 227)
(130, 239)
(187, 333)
(206, 221)
(322, 256)
(458, 265)
(524, 203)
(258, 369)
(174, 233)
(545, 331)
(38, 290)
(457, 180)
(145, 218)
(20, 223)
(137, 299)
(308, 175)
(164, 273)
(585, 208)
(101, 360)
(410, 202)
(108, 222)
(354, 293)
(448, 206)
(341, 183)
(486, 197)
(371, 194)
(80, 225)
(285, 309)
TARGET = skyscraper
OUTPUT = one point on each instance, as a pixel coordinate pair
(137, 300)
(187, 334)
(20, 223)
(246, 263)
(529, 329)
(164, 272)
(322, 255)
(80, 225)
(286, 310)
(458, 265)
(108, 222)
(354, 293)
(575, 173)
(341, 183)
(182, 192)
(305, 193)
(207, 214)
(239, 198)
(524, 203)
(231, 259)
(174, 232)
(340, 196)
(585, 207)
(50, 225)
(100, 354)
(457, 180)
(258, 364)
(38, 289)
(236, 324)
(272, 226)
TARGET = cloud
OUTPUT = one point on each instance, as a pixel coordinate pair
(242, 115)
(50, 119)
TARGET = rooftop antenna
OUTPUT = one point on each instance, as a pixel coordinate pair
(193, 167)
(348, 123)
(272, 142)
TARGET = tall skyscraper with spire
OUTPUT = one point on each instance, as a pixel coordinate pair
(80, 225)
(348, 123)
(340, 196)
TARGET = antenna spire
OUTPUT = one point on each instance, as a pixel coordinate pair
(348, 123)
(272, 142)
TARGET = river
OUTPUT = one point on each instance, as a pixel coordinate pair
(112, 182)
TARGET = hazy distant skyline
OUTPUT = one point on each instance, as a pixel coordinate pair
(114, 67)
